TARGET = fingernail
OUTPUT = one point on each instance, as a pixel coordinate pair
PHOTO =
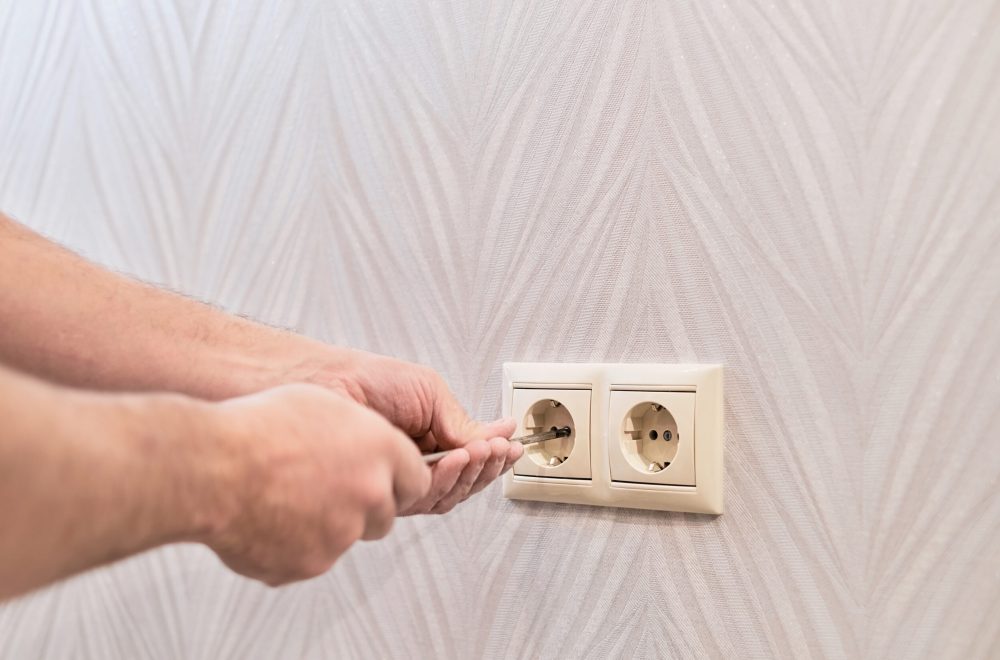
(504, 420)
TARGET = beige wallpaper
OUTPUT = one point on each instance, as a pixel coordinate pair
(806, 192)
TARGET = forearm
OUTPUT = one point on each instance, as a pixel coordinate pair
(87, 478)
(67, 320)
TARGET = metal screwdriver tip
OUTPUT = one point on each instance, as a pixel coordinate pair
(552, 434)
(563, 432)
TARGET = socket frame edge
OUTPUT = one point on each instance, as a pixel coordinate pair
(704, 380)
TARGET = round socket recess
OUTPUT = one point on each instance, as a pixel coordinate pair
(559, 458)
(649, 437)
(548, 415)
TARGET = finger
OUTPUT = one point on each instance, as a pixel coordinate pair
(498, 456)
(451, 426)
(445, 435)
(514, 454)
(378, 519)
(501, 428)
(444, 476)
(411, 477)
(479, 452)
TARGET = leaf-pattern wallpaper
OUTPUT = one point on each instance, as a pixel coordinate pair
(808, 192)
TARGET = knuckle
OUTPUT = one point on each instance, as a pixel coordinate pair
(434, 385)
(316, 566)
(385, 510)
(274, 581)
(443, 507)
(418, 509)
(468, 480)
(351, 528)
(380, 527)
(375, 492)
(430, 374)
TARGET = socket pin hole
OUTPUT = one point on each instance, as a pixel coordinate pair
(642, 429)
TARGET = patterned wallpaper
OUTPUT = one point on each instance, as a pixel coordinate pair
(808, 192)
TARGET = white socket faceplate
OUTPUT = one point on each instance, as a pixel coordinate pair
(636, 451)
(534, 414)
(652, 438)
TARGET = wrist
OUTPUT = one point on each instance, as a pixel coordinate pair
(257, 358)
(169, 448)
(207, 465)
(299, 359)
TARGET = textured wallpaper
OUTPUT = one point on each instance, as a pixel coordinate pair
(807, 192)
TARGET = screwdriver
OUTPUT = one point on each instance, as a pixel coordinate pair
(552, 434)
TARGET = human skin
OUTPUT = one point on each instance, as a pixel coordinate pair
(81, 327)
(276, 483)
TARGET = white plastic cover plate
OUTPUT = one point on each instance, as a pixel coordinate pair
(655, 439)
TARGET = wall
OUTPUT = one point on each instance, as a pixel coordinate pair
(806, 192)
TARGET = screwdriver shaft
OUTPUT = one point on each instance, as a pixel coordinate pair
(534, 438)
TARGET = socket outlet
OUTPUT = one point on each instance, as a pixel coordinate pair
(645, 436)
(652, 437)
(538, 410)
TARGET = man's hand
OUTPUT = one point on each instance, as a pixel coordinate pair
(278, 484)
(99, 330)
(417, 400)
(316, 472)
(316, 468)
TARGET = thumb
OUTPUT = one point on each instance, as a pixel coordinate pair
(452, 426)
(501, 428)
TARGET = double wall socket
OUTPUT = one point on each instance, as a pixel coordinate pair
(645, 436)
